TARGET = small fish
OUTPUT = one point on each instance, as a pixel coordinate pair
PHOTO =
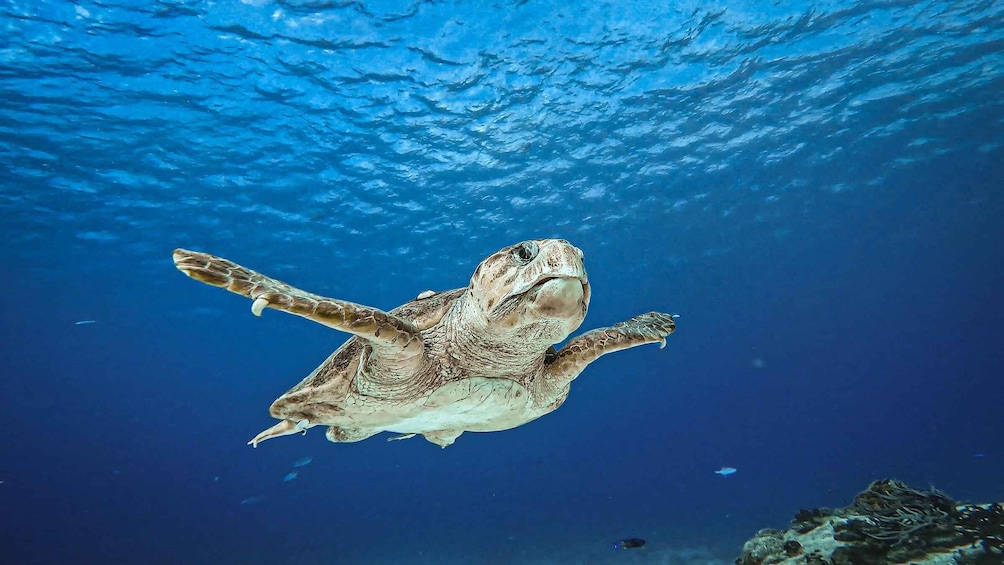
(85, 322)
(629, 543)
(289, 476)
(303, 462)
(252, 500)
(726, 471)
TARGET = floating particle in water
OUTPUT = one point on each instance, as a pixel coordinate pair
(85, 322)
(726, 471)
(252, 500)
(758, 363)
(979, 455)
(289, 476)
(303, 462)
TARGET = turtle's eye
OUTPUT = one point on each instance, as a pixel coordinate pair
(525, 252)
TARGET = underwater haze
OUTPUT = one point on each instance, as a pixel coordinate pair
(816, 188)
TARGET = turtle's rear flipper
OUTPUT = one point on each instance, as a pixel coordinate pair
(562, 369)
(379, 327)
(443, 438)
(283, 428)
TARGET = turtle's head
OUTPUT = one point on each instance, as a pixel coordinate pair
(538, 288)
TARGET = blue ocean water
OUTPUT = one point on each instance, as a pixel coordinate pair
(815, 187)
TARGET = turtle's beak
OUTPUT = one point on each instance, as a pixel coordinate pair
(558, 297)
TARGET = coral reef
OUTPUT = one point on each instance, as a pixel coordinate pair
(889, 522)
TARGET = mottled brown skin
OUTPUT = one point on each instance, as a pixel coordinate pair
(478, 359)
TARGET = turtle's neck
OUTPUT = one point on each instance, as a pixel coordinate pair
(474, 345)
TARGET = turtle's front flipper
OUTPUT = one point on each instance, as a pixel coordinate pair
(586, 348)
(377, 326)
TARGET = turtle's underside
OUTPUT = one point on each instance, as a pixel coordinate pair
(477, 359)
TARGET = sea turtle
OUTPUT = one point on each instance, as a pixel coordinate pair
(478, 359)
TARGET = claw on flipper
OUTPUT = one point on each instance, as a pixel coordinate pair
(283, 428)
(258, 306)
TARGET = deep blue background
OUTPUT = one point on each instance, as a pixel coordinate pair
(816, 189)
